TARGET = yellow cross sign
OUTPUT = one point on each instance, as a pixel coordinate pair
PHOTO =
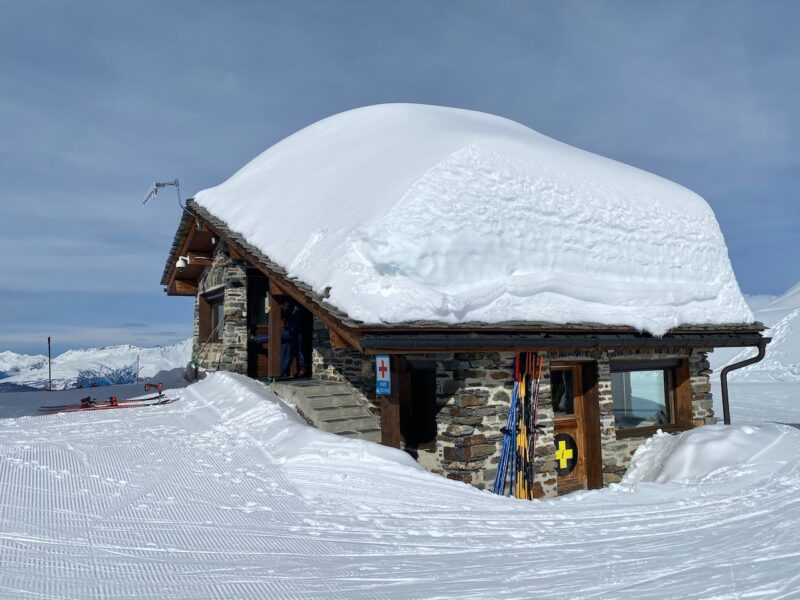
(563, 454)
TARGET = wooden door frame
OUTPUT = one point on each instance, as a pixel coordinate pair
(587, 410)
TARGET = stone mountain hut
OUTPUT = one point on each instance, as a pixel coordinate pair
(459, 247)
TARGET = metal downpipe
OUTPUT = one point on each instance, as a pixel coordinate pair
(726, 409)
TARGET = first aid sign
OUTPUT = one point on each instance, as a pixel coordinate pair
(383, 375)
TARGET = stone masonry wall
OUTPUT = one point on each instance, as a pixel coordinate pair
(702, 402)
(333, 364)
(229, 354)
(473, 395)
(617, 453)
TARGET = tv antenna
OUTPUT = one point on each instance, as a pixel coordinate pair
(154, 189)
(158, 185)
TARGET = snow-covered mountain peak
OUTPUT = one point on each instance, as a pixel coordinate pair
(86, 366)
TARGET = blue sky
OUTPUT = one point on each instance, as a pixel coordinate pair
(98, 99)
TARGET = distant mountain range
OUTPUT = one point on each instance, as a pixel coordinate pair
(87, 367)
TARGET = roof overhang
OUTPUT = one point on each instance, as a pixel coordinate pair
(416, 343)
(194, 242)
(199, 229)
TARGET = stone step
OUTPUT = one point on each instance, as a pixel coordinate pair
(351, 424)
(344, 410)
(331, 406)
(318, 402)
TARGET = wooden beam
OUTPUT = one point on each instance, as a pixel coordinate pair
(275, 289)
(284, 288)
(591, 425)
(234, 254)
(274, 333)
(198, 258)
(337, 341)
(181, 252)
(683, 395)
(289, 288)
(390, 405)
(180, 287)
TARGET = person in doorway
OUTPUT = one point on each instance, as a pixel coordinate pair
(292, 338)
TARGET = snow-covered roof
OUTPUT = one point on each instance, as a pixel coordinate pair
(413, 212)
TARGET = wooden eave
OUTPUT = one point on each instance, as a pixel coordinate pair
(429, 337)
(195, 244)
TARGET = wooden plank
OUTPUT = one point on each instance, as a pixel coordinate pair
(274, 328)
(683, 395)
(184, 288)
(390, 405)
(591, 426)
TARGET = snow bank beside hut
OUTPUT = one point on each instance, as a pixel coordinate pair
(413, 212)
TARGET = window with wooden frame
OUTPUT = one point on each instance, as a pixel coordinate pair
(211, 316)
(650, 395)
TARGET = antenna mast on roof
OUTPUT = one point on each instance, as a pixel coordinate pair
(153, 192)
(161, 184)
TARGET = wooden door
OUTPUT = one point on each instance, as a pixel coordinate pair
(578, 457)
(257, 327)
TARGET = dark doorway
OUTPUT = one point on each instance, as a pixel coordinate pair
(418, 411)
(257, 326)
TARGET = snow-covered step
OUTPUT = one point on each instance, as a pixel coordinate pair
(331, 406)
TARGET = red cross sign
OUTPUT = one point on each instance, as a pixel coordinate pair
(383, 375)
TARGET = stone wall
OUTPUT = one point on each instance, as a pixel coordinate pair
(332, 364)
(473, 395)
(702, 402)
(617, 453)
(229, 354)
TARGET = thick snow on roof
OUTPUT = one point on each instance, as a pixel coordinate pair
(415, 212)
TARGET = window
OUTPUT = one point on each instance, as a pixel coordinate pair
(211, 315)
(217, 316)
(643, 393)
(562, 391)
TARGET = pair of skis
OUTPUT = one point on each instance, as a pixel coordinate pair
(91, 404)
(516, 471)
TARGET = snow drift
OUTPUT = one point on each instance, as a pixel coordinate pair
(414, 212)
(708, 454)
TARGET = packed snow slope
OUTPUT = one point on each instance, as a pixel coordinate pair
(414, 212)
(87, 366)
(782, 360)
(226, 493)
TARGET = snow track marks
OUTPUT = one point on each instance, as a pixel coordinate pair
(225, 494)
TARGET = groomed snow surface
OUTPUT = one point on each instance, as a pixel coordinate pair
(413, 212)
(226, 493)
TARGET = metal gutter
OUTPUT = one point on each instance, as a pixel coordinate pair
(726, 409)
